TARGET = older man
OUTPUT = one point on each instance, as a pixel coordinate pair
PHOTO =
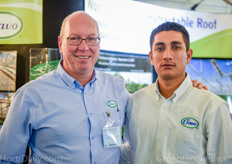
(72, 114)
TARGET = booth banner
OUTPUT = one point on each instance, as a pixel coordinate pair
(124, 62)
(126, 25)
(21, 22)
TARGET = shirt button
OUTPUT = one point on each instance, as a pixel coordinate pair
(93, 138)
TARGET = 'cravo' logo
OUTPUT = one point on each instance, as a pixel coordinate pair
(111, 103)
(10, 25)
(189, 122)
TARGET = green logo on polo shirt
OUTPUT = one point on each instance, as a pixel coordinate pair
(112, 103)
(189, 122)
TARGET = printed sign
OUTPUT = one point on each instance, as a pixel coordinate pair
(12, 25)
(21, 22)
(118, 61)
(8, 60)
(125, 26)
(43, 60)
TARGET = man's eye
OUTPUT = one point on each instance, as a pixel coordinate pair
(176, 47)
(159, 49)
(75, 38)
(91, 39)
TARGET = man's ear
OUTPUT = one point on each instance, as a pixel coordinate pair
(151, 57)
(189, 55)
(60, 43)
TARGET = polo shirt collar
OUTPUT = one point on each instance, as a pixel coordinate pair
(178, 92)
(159, 96)
(69, 80)
(182, 88)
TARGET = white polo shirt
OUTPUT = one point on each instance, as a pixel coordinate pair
(192, 126)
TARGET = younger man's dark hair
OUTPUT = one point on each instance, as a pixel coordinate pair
(170, 26)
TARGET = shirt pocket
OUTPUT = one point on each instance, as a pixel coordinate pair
(184, 144)
(114, 118)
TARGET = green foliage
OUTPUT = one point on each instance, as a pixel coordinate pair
(133, 87)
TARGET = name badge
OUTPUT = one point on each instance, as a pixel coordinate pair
(112, 137)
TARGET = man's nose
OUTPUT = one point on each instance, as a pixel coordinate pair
(167, 55)
(83, 45)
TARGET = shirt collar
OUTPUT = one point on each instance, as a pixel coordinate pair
(159, 96)
(69, 80)
(94, 78)
(178, 92)
(182, 88)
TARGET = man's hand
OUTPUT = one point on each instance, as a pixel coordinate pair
(199, 85)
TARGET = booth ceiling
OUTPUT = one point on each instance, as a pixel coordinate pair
(211, 6)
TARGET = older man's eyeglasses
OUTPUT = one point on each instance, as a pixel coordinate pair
(76, 40)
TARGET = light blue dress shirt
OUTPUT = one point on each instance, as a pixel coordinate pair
(62, 121)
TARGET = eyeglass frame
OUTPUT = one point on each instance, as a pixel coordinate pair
(86, 40)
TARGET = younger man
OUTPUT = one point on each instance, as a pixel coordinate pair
(170, 121)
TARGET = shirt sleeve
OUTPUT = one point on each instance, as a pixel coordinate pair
(125, 95)
(219, 131)
(15, 132)
(125, 150)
